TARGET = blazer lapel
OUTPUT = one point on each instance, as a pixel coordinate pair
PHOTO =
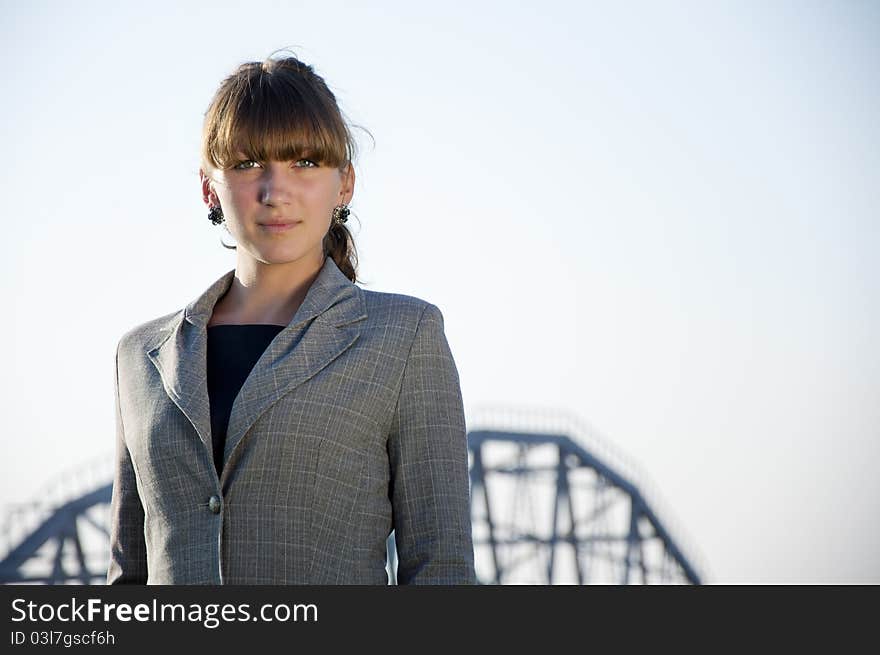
(181, 358)
(324, 326)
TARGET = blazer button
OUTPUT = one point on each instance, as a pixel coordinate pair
(214, 505)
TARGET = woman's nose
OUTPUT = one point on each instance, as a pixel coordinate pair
(275, 188)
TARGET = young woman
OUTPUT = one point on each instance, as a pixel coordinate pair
(281, 425)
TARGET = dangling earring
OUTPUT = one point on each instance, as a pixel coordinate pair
(340, 214)
(215, 215)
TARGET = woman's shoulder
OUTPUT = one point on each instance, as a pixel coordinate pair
(382, 301)
(384, 305)
(396, 311)
(150, 333)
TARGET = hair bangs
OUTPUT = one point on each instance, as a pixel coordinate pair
(268, 116)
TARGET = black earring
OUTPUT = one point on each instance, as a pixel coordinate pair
(215, 215)
(340, 214)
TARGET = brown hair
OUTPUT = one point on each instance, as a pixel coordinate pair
(280, 109)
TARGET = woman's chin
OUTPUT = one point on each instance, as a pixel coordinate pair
(278, 256)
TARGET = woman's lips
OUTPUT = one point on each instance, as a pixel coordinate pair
(279, 227)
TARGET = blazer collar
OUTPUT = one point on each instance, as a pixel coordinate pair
(325, 325)
(330, 290)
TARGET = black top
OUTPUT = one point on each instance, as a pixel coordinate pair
(232, 352)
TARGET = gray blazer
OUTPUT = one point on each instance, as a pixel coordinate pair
(349, 425)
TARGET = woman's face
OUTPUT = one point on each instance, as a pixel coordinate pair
(279, 211)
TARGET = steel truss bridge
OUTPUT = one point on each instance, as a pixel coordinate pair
(551, 503)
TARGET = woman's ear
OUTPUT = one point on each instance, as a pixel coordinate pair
(208, 195)
(347, 183)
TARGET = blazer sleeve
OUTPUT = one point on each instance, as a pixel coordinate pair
(428, 456)
(128, 550)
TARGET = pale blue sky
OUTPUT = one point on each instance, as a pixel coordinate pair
(662, 217)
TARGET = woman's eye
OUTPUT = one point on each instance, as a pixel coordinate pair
(249, 164)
